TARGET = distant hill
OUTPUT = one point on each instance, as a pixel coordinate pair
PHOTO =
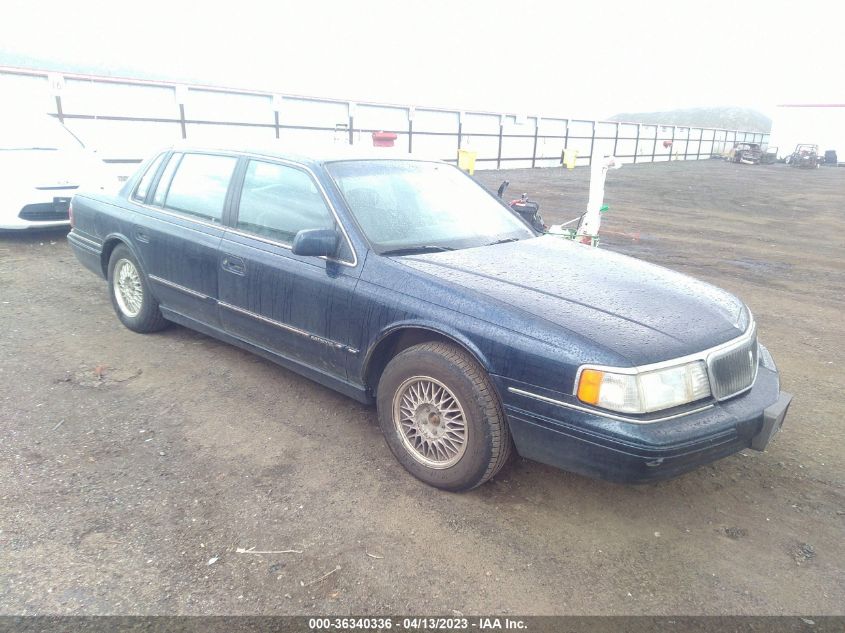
(720, 117)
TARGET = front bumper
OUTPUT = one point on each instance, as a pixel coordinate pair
(773, 418)
(594, 445)
(13, 204)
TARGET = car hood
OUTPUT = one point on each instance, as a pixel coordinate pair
(643, 312)
(50, 168)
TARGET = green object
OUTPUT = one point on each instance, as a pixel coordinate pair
(604, 208)
(571, 234)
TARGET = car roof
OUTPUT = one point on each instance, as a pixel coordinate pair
(312, 153)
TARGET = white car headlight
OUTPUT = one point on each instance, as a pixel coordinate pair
(644, 392)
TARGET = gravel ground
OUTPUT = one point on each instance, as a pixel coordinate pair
(133, 468)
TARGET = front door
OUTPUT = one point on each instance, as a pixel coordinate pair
(296, 307)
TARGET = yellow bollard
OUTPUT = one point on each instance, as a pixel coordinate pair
(570, 157)
(466, 160)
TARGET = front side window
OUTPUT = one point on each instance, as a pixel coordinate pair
(146, 180)
(278, 201)
(199, 186)
(404, 204)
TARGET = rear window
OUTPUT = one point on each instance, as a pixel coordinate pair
(146, 180)
(199, 186)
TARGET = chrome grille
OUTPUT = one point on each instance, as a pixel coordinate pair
(734, 369)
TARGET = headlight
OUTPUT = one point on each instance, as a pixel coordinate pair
(644, 392)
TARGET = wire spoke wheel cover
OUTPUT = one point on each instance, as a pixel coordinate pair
(128, 290)
(430, 421)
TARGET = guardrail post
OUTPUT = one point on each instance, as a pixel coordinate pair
(637, 142)
(411, 112)
(59, 112)
(460, 134)
(276, 101)
(700, 136)
(501, 131)
(592, 142)
(686, 145)
(182, 121)
(672, 146)
(565, 140)
(56, 84)
(536, 131)
(654, 145)
(616, 139)
(351, 123)
(180, 94)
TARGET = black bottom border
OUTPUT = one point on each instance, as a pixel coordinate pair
(517, 624)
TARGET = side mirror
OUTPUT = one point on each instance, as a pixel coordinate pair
(316, 242)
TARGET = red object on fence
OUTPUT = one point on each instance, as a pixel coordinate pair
(667, 144)
(383, 139)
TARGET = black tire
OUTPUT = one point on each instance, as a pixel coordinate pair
(487, 440)
(148, 317)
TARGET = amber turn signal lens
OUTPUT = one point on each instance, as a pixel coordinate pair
(589, 386)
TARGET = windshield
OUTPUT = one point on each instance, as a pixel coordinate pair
(36, 133)
(414, 205)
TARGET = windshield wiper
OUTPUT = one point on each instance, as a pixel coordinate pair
(415, 250)
(503, 241)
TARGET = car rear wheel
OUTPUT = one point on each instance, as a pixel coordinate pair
(130, 293)
(441, 417)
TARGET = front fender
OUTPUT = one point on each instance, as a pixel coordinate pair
(452, 334)
(505, 341)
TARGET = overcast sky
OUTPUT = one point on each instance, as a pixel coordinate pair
(590, 59)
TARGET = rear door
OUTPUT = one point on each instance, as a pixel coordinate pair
(178, 231)
(294, 306)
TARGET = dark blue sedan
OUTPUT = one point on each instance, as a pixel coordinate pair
(405, 283)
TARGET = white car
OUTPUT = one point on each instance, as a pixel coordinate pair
(42, 165)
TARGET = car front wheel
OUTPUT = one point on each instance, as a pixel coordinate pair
(441, 417)
(130, 293)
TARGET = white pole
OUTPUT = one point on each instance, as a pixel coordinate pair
(591, 221)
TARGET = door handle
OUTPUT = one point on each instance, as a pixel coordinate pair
(233, 264)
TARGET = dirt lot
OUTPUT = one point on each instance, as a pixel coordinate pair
(133, 467)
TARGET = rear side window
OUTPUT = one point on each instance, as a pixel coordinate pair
(146, 180)
(199, 186)
(278, 201)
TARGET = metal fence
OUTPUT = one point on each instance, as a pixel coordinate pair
(129, 118)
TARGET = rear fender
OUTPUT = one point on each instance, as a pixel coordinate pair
(109, 244)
